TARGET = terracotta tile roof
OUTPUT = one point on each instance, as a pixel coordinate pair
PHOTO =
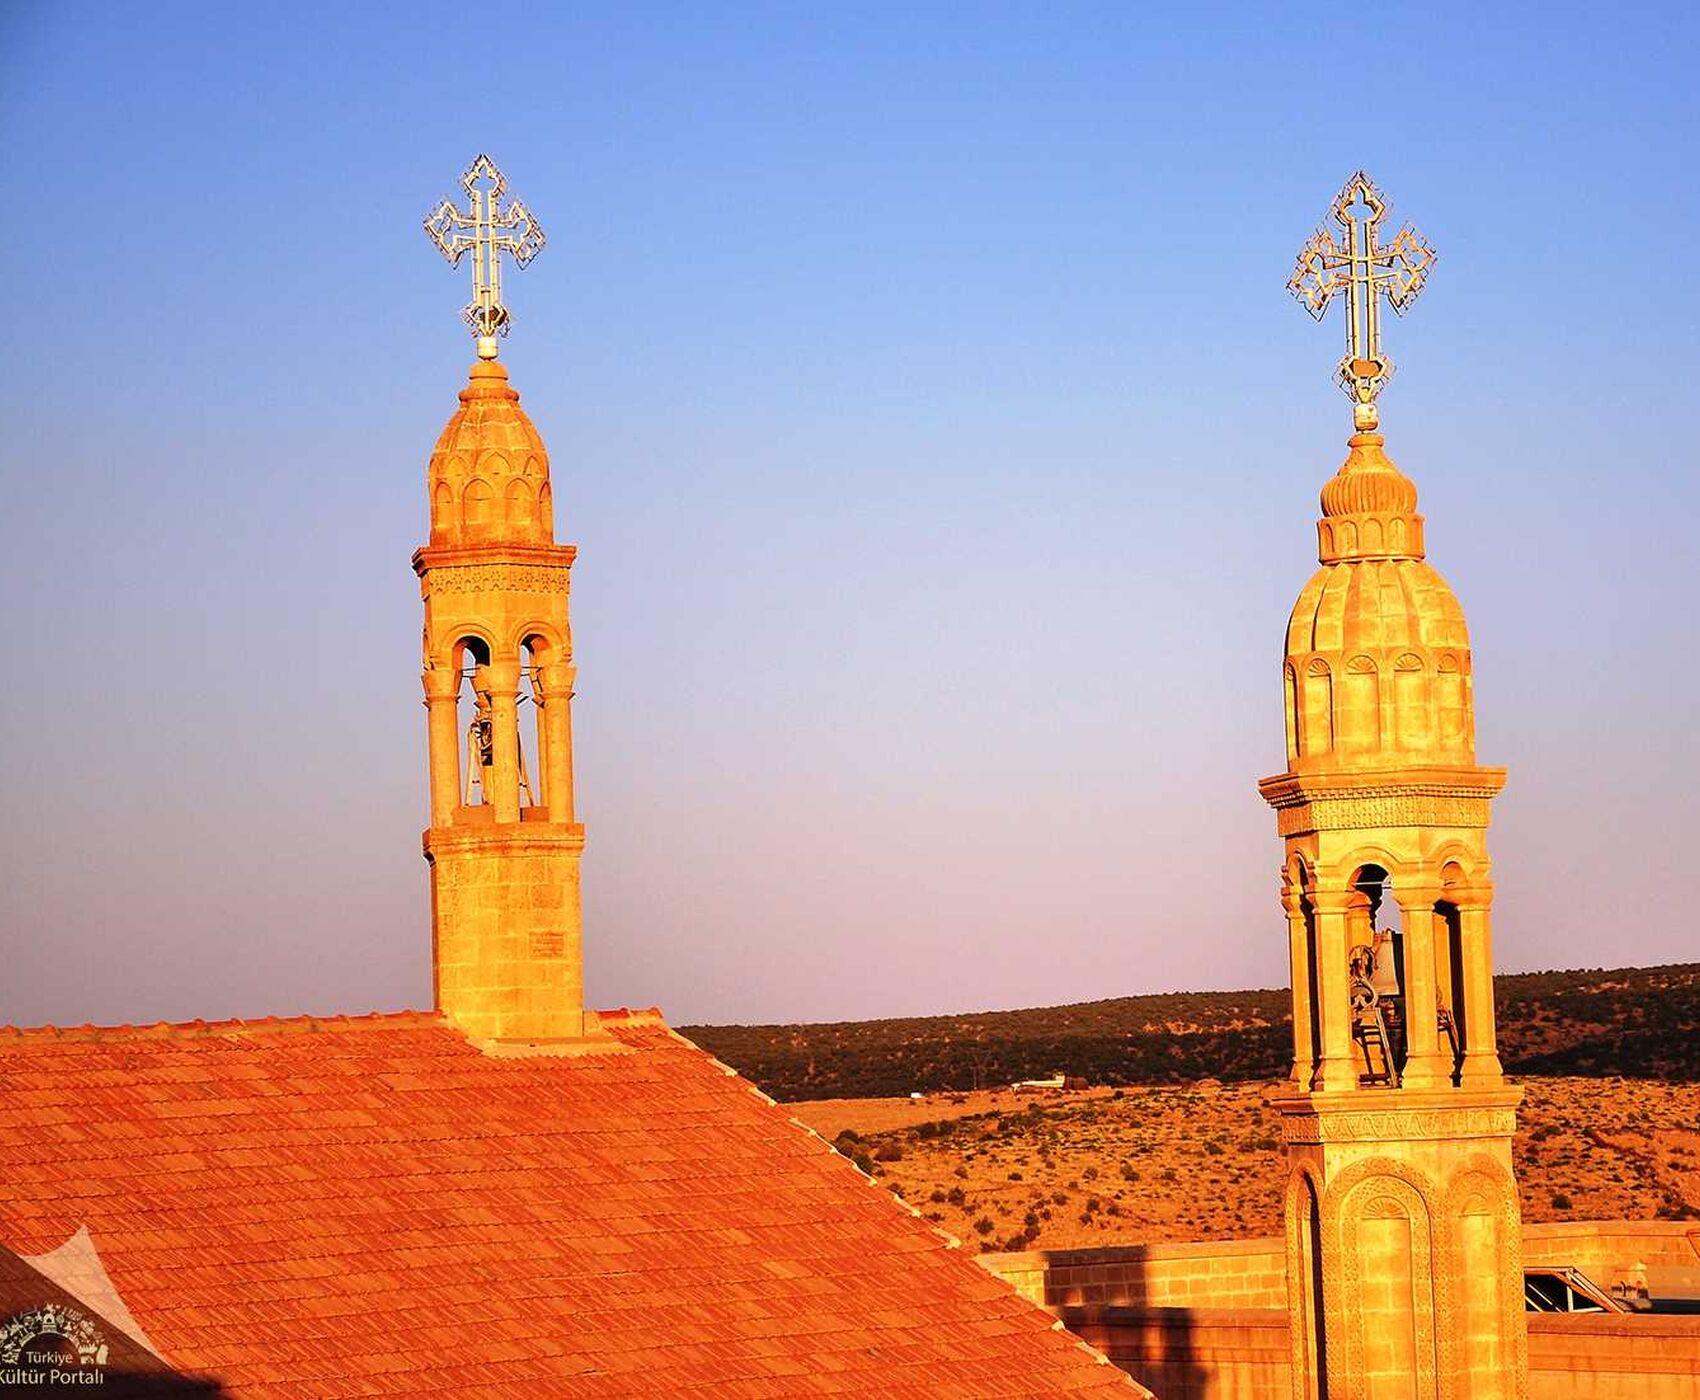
(127, 1369)
(372, 1206)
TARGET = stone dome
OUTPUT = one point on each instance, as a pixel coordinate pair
(1369, 507)
(489, 472)
(1377, 606)
(1377, 664)
(1368, 481)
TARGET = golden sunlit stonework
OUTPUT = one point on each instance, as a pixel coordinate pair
(1403, 1257)
(503, 844)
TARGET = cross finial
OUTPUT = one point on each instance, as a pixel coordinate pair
(486, 229)
(1366, 271)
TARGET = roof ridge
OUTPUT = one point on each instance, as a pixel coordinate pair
(633, 1016)
(281, 1025)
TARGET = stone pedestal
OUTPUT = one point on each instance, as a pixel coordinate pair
(1404, 1262)
(506, 928)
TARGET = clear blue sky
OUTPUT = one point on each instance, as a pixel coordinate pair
(941, 445)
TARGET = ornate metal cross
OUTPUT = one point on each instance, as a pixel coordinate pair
(487, 229)
(1366, 271)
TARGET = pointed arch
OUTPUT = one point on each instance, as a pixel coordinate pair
(477, 507)
(519, 506)
(442, 510)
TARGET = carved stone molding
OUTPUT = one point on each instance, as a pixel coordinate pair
(1393, 808)
(496, 578)
(1397, 1125)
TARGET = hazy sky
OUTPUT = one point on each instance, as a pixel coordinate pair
(941, 445)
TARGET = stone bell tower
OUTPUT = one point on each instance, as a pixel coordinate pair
(1403, 1233)
(503, 845)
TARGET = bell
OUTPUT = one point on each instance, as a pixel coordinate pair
(1385, 977)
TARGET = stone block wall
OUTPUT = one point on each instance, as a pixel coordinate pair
(1252, 1273)
(1194, 1353)
(1208, 1321)
(1212, 1274)
(1665, 1253)
(1634, 1356)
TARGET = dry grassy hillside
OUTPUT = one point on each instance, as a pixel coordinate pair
(1638, 1022)
(1199, 1162)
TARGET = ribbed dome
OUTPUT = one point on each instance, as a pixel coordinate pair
(489, 472)
(1369, 483)
(1377, 607)
(1377, 659)
(1378, 669)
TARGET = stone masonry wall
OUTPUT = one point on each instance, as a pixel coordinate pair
(1213, 1274)
(1252, 1273)
(1242, 1354)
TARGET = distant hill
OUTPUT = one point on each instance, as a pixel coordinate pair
(1636, 1022)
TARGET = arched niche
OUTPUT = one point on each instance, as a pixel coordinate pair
(1388, 1242)
(1359, 723)
(1451, 704)
(519, 507)
(1290, 695)
(1308, 1311)
(442, 512)
(477, 509)
(1317, 731)
(1411, 716)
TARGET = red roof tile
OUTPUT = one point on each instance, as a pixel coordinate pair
(372, 1206)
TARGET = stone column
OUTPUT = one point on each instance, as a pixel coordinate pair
(442, 687)
(1337, 1070)
(1298, 955)
(557, 682)
(504, 771)
(1481, 1046)
(1425, 1065)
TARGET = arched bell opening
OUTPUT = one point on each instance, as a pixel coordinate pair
(474, 721)
(1449, 957)
(1309, 966)
(1298, 901)
(533, 739)
(1450, 966)
(1376, 944)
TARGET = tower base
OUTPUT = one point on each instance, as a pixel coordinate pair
(1404, 1251)
(505, 923)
